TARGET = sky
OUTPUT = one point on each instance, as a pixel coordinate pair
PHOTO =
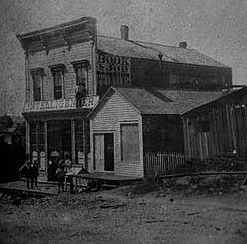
(217, 28)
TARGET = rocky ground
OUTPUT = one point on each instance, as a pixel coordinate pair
(132, 214)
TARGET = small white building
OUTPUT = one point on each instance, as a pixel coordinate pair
(130, 123)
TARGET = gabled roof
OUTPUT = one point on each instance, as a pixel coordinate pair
(160, 101)
(139, 49)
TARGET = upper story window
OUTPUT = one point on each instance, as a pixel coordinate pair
(58, 80)
(81, 76)
(37, 76)
(81, 70)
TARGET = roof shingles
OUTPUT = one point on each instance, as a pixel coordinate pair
(177, 102)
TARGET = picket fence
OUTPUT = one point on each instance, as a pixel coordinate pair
(161, 163)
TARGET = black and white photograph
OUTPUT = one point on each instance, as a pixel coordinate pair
(123, 121)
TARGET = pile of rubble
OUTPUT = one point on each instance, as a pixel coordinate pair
(214, 184)
(218, 164)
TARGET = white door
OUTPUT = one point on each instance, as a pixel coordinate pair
(98, 152)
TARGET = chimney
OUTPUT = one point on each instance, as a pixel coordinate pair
(124, 30)
(160, 56)
(183, 44)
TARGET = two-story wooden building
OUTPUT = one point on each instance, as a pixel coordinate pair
(69, 67)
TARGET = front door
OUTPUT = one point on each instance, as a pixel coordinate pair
(109, 152)
(104, 152)
(98, 152)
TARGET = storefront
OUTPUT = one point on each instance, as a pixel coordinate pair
(55, 134)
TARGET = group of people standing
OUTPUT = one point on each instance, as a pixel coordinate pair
(32, 173)
(64, 167)
(63, 177)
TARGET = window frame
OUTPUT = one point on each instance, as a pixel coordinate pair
(84, 66)
(37, 136)
(81, 79)
(58, 69)
(122, 123)
(37, 73)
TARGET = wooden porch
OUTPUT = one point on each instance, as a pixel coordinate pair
(108, 177)
(20, 187)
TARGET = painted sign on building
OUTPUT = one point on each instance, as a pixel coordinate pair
(113, 70)
(61, 104)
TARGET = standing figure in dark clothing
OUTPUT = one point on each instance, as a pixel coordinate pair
(31, 175)
(60, 174)
(36, 172)
(26, 172)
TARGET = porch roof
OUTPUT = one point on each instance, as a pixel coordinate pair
(57, 114)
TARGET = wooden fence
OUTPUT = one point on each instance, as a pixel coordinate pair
(161, 163)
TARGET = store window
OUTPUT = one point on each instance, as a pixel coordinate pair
(37, 76)
(130, 148)
(37, 136)
(58, 80)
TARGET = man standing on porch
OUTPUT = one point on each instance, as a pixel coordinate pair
(68, 176)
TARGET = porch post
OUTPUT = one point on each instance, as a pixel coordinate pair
(27, 138)
(73, 140)
(140, 125)
(85, 142)
(46, 149)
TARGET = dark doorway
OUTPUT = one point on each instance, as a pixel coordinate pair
(66, 144)
(109, 151)
(59, 144)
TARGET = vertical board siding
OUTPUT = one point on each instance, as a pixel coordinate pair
(80, 51)
(228, 131)
(114, 112)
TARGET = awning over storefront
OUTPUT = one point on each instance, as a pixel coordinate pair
(61, 114)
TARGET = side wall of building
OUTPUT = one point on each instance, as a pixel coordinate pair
(151, 73)
(162, 133)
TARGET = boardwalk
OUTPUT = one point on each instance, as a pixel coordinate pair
(21, 187)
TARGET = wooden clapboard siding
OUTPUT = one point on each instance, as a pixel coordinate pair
(109, 118)
(115, 110)
(61, 55)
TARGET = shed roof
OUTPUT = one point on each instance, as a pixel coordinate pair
(145, 50)
(232, 95)
(160, 101)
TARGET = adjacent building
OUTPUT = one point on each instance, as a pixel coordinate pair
(218, 127)
(69, 67)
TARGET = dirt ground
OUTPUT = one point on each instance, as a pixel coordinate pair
(110, 216)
